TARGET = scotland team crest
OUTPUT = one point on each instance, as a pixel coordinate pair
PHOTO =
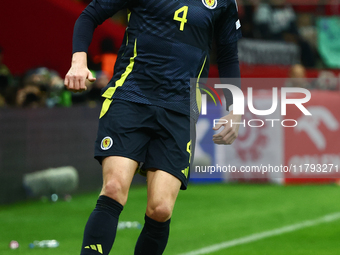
(210, 4)
(106, 143)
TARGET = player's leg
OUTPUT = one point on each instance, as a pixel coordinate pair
(170, 151)
(121, 143)
(101, 227)
(117, 177)
(163, 189)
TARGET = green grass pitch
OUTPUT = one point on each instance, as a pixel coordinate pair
(204, 215)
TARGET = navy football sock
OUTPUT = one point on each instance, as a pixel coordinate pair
(101, 227)
(153, 238)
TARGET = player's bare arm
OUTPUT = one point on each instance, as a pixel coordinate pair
(78, 73)
(229, 133)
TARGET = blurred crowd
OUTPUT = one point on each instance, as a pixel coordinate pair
(42, 87)
(297, 78)
(279, 20)
(272, 20)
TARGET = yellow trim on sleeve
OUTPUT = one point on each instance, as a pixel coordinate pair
(128, 20)
(128, 15)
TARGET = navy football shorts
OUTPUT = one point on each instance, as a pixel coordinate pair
(156, 137)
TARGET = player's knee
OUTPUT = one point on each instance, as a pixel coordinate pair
(115, 190)
(161, 212)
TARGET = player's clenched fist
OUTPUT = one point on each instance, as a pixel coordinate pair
(230, 131)
(78, 73)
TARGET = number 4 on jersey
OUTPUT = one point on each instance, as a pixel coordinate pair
(183, 19)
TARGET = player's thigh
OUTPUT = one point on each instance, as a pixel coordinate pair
(163, 189)
(122, 131)
(117, 177)
(170, 150)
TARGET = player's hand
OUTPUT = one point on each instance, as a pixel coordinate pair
(78, 73)
(229, 133)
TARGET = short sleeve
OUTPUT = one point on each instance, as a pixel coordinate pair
(228, 26)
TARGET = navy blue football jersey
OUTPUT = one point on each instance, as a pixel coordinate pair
(166, 43)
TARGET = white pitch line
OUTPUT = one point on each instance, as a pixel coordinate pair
(265, 234)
